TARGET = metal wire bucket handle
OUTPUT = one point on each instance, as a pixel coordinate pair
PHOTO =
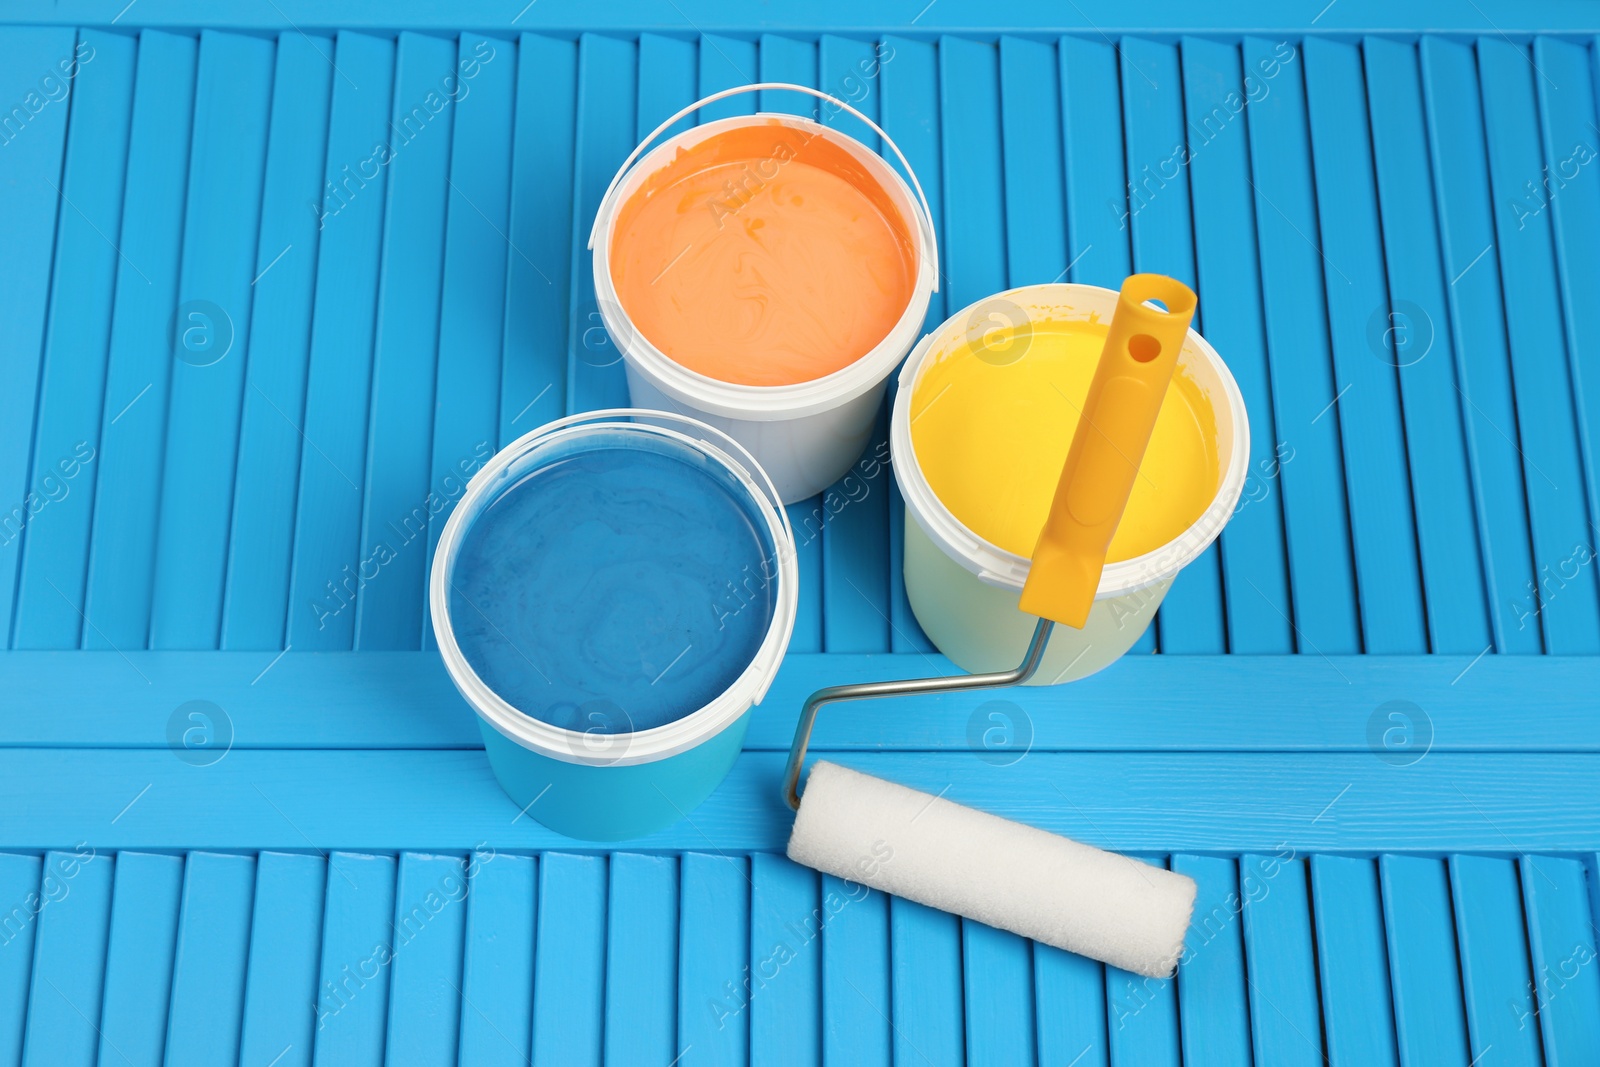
(925, 222)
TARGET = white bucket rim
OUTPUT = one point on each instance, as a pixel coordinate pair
(668, 739)
(766, 403)
(998, 567)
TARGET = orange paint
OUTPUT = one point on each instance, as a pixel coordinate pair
(763, 256)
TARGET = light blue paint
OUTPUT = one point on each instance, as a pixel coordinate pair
(616, 587)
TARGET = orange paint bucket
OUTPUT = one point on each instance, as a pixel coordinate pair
(766, 273)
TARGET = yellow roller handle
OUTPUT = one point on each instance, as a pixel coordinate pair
(1114, 429)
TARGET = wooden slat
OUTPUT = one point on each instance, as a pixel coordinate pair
(428, 93)
(1567, 598)
(1096, 163)
(30, 170)
(1467, 237)
(786, 917)
(1452, 568)
(569, 960)
(425, 983)
(856, 998)
(1280, 960)
(1424, 966)
(845, 16)
(72, 374)
(1161, 224)
(1254, 569)
(255, 613)
(724, 63)
(357, 949)
(1203, 704)
(69, 960)
(433, 799)
(972, 161)
(20, 881)
(668, 73)
(227, 158)
(781, 59)
(285, 946)
(497, 962)
(1030, 123)
(642, 960)
(927, 985)
(999, 1001)
(909, 113)
(856, 592)
(1382, 526)
(139, 954)
(1212, 987)
(326, 576)
(1561, 934)
(533, 370)
(1308, 469)
(1352, 961)
(848, 69)
(1496, 977)
(807, 517)
(713, 960)
(123, 535)
(209, 966)
(607, 95)
(1567, 118)
(1070, 1008)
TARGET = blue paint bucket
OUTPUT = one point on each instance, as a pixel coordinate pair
(612, 596)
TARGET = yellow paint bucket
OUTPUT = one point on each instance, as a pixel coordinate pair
(985, 412)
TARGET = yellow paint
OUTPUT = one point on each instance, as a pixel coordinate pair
(991, 429)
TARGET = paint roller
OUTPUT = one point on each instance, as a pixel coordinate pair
(1019, 878)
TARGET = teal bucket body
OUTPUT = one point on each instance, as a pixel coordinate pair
(592, 784)
(598, 802)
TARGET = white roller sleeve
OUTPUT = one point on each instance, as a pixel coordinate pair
(1040, 885)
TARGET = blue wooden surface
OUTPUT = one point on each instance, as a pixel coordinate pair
(210, 959)
(73, 369)
(256, 611)
(1497, 982)
(855, 974)
(1424, 960)
(1274, 901)
(1477, 319)
(642, 960)
(68, 973)
(425, 981)
(1351, 739)
(1212, 986)
(497, 961)
(285, 937)
(139, 955)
